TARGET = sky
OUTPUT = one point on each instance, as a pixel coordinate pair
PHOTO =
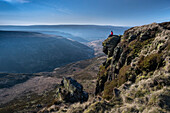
(96, 12)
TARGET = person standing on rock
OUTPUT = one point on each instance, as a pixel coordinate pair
(111, 34)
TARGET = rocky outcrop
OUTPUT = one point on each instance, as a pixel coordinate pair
(71, 91)
(109, 44)
(125, 59)
(68, 93)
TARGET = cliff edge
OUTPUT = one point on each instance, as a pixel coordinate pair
(137, 69)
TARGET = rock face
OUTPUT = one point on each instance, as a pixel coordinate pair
(137, 70)
(137, 44)
(108, 46)
(110, 43)
(71, 91)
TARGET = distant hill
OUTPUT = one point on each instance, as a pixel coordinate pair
(66, 35)
(80, 33)
(28, 52)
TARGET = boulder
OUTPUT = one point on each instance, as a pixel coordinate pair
(71, 91)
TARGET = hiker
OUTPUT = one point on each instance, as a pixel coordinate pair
(111, 34)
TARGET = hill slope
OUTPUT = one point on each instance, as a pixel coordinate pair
(27, 52)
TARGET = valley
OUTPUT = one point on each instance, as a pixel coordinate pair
(31, 52)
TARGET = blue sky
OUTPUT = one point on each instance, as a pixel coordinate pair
(101, 12)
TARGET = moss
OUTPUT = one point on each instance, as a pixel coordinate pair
(109, 86)
(151, 62)
(123, 74)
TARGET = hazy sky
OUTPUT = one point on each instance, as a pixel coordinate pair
(102, 12)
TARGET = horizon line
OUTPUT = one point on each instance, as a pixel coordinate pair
(64, 24)
(78, 24)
